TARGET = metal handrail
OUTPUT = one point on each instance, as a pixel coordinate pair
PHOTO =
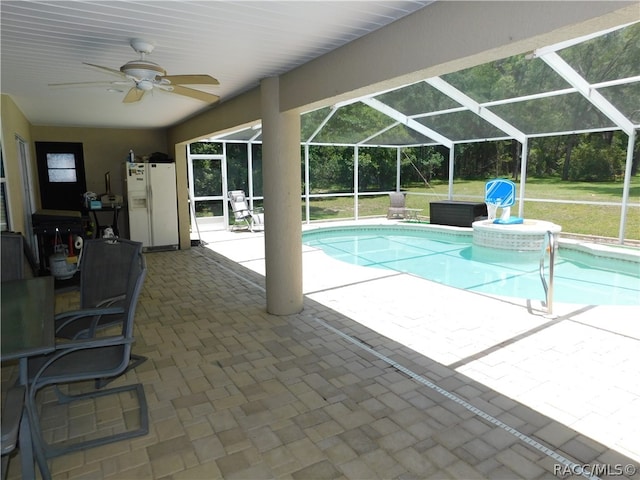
(548, 245)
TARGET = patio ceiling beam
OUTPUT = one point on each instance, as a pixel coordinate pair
(405, 120)
(333, 109)
(526, 98)
(578, 40)
(617, 81)
(574, 79)
(378, 133)
(468, 102)
(331, 113)
(436, 113)
(555, 93)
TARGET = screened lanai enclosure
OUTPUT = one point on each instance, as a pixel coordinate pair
(561, 121)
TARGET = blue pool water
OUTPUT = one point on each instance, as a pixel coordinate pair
(579, 278)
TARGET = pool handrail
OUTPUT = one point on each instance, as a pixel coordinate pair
(549, 244)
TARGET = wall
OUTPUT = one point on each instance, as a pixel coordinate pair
(105, 150)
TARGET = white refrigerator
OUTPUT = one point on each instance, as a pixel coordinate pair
(152, 204)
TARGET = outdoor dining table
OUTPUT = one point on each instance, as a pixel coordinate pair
(27, 329)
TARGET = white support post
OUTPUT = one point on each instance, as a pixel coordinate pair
(250, 174)
(398, 161)
(281, 175)
(225, 185)
(451, 167)
(355, 181)
(626, 186)
(523, 176)
(307, 190)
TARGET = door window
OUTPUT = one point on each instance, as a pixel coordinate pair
(206, 180)
(61, 175)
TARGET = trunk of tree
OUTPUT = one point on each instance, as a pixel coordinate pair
(553, 167)
(635, 159)
(516, 153)
(608, 138)
(571, 142)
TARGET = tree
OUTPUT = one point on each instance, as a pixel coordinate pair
(419, 165)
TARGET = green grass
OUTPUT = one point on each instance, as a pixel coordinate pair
(597, 220)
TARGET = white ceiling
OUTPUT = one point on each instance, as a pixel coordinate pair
(237, 42)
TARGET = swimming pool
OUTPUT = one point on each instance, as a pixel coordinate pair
(448, 257)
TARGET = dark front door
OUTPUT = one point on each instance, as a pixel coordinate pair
(61, 175)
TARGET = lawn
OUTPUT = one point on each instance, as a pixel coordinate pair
(598, 220)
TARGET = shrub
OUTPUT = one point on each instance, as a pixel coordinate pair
(592, 164)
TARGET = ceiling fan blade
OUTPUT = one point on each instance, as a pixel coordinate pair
(133, 95)
(191, 79)
(89, 84)
(107, 69)
(190, 92)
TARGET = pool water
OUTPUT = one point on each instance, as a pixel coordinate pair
(579, 278)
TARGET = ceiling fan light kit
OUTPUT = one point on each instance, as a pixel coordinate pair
(147, 75)
(142, 70)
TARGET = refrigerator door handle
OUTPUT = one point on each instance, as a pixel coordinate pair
(150, 209)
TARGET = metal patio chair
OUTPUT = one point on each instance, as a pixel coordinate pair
(11, 415)
(90, 359)
(12, 251)
(107, 267)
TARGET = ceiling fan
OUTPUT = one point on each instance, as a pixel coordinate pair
(144, 76)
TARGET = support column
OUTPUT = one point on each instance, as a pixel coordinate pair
(282, 208)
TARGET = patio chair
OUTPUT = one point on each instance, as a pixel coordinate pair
(90, 359)
(11, 415)
(397, 208)
(12, 256)
(244, 217)
(107, 268)
(18, 260)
